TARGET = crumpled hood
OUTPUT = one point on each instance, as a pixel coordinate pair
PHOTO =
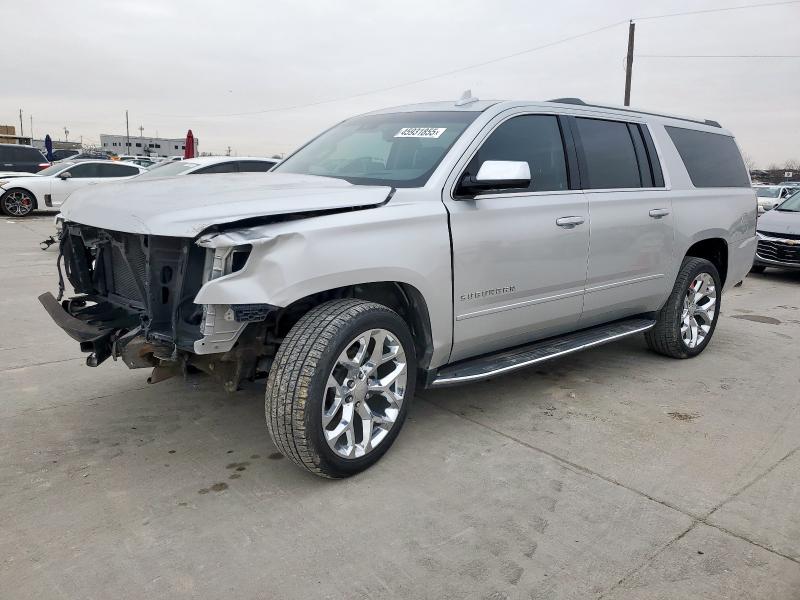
(776, 221)
(186, 205)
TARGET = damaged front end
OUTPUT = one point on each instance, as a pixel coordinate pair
(134, 301)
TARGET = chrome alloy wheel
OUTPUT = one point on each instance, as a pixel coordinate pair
(699, 306)
(18, 203)
(364, 393)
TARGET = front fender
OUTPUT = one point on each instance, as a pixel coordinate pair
(405, 243)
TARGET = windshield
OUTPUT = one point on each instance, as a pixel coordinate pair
(398, 149)
(767, 192)
(169, 169)
(791, 204)
(53, 169)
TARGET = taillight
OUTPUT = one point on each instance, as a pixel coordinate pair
(41, 166)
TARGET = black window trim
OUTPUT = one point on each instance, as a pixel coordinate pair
(659, 182)
(654, 167)
(571, 160)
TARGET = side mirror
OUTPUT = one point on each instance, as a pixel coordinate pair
(65, 175)
(498, 175)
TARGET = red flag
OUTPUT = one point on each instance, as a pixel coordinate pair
(189, 151)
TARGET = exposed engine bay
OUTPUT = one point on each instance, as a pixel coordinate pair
(134, 301)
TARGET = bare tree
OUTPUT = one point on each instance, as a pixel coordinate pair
(749, 162)
(792, 165)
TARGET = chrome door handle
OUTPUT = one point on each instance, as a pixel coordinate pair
(569, 222)
(657, 213)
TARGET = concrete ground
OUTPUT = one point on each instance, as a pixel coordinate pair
(612, 474)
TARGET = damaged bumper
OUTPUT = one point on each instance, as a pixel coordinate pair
(135, 302)
(93, 326)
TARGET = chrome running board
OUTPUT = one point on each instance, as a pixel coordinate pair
(474, 369)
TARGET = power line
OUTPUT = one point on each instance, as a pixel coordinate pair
(422, 79)
(715, 10)
(483, 63)
(718, 56)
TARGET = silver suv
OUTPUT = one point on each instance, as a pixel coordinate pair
(426, 245)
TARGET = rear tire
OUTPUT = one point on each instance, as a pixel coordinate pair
(686, 322)
(339, 389)
(17, 202)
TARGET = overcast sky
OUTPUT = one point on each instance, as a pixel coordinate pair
(186, 64)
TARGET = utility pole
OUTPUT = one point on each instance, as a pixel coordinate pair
(229, 151)
(127, 135)
(66, 134)
(21, 132)
(141, 131)
(31, 128)
(629, 63)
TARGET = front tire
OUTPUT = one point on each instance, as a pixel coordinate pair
(339, 388)
(687, 320)
(758, 269)
(17, 203)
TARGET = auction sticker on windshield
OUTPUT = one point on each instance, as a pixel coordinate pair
(420, 132)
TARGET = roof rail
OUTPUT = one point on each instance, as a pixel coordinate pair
(568, 101)
(579, 102)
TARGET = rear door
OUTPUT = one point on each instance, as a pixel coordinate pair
(517, 274)
(630, 255)
(115, 170)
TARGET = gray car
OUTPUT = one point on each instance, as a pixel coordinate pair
(426, 245)
(779, 237)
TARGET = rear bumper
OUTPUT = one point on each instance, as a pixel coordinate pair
(740, 260)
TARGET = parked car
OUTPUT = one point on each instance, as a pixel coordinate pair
(779, 236)
(206, 165)
(62, 154)
(19, 196)
(426, 245)
(769, 196)
(87, 156)
(15, 157)
(142, 161)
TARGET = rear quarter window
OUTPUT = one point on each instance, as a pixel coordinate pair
(711, 159)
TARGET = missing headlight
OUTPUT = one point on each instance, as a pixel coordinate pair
(225, 261)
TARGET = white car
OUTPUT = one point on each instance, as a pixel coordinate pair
(203, 165)
(19, 196)
(769, 196)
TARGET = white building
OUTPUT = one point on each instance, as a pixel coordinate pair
(145, 146)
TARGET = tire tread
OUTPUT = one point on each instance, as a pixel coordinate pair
(662, 337)
(290, 378)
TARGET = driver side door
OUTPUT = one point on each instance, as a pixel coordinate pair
(82, 174)
(519, 256)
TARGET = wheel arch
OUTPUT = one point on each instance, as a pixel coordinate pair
(714, 250)
(403, 298)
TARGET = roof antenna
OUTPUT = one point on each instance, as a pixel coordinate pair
(466, 98)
